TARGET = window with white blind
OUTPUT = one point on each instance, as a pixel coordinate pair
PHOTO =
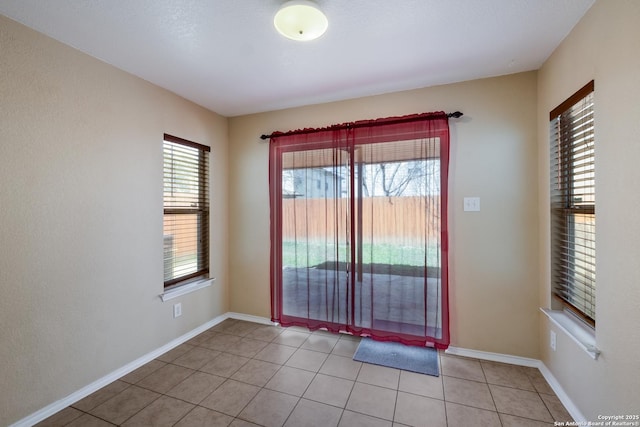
(573, 204)
(186, 210)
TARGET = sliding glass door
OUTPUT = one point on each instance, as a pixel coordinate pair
(357, 232)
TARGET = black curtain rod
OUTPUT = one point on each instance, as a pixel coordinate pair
(455, 115)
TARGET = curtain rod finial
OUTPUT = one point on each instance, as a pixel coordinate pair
(455, 115)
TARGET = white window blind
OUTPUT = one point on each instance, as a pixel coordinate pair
(573, 203)
(186, 210)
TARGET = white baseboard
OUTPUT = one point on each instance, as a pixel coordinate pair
(573, 410)
(59, 405)
(85, 391)
(494, 357)
(250, 318)
(571, 407)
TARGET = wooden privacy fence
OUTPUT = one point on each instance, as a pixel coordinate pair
(386, 220)
(188, 244)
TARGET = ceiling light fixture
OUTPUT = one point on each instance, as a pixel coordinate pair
(300, 20)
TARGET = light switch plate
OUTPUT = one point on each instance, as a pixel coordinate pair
(472, 204)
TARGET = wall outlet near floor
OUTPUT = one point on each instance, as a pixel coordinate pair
(177, 310)
(552, 340)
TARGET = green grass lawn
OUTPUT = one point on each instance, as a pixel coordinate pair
(309, 254)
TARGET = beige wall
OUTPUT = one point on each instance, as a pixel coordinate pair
(602, 47)
(494, 259)
(81, 219)
(81, 225)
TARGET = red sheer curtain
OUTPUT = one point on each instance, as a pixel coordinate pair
(359, 228)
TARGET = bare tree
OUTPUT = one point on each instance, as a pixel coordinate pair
(393, 179)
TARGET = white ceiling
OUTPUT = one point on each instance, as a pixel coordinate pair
(225, 54)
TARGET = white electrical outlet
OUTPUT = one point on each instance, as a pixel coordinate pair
(552, 340)
(177, 310)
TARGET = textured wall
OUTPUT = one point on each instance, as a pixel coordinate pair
(81, 219)
(493, 265)
(602, 47)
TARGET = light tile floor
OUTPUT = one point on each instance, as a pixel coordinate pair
(246, 374)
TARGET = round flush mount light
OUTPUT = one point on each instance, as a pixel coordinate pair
(300, 20)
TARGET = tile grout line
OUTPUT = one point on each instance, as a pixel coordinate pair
(299, 398)
(493, 400)
(444, 398)
(515, 388)
(350, 393)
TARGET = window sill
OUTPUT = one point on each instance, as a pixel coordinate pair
(581, 334)
(186, 289)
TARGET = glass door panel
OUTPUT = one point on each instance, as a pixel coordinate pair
(315, 235)
(397, 239)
